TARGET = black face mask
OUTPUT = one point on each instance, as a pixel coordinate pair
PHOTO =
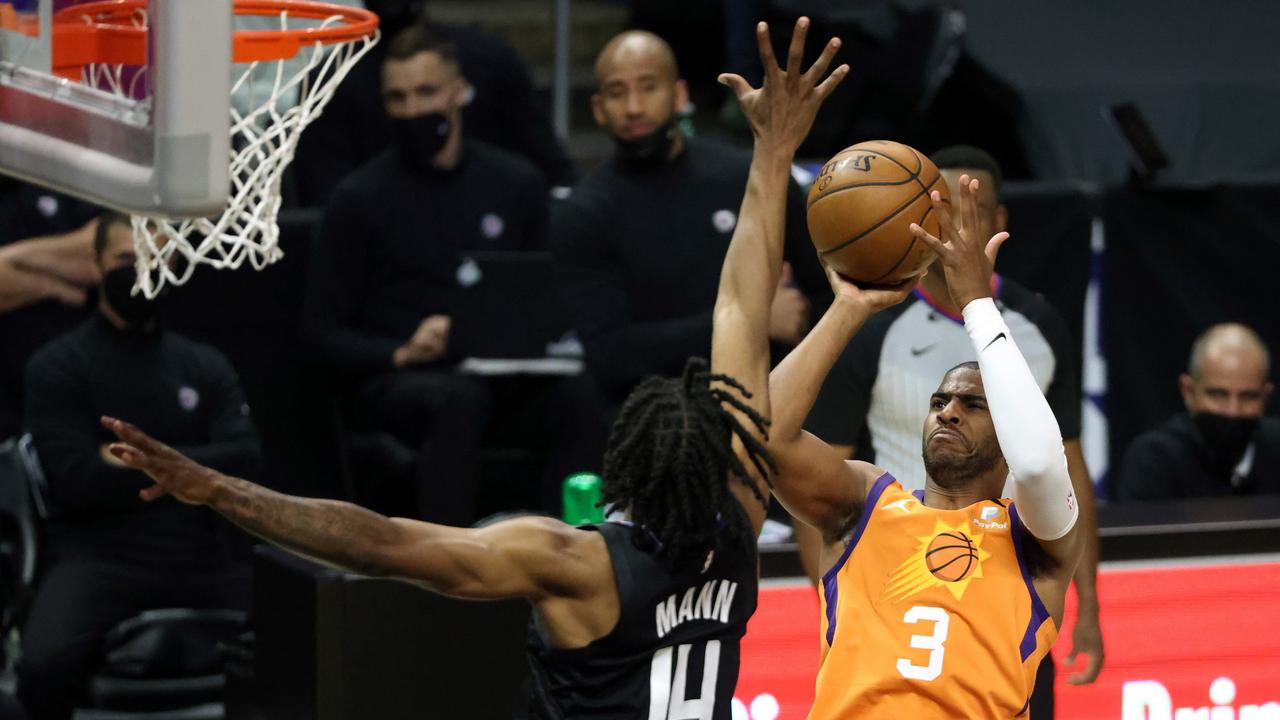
(421, 137)
(1224, 437)
(647, 151)
(136, 310)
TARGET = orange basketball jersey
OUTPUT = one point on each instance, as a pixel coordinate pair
(930, 614)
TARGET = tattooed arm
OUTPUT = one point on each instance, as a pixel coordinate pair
(527, 557)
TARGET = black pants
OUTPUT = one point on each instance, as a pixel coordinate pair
(79, 601)
(1042, 693)
(447, 416)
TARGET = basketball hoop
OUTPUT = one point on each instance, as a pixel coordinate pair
(104, 45)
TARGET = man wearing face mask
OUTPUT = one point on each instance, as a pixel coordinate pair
(108, 555)
(501, 106)
(386, 263)
(640, 241)
(1222, 445)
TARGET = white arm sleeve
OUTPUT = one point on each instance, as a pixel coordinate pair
(1025, 426)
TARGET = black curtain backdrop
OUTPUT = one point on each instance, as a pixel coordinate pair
(1048, 247)
(1178, 261)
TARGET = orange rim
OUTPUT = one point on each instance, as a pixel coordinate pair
(104, 32)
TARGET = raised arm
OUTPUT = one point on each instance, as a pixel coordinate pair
(780, 113)
(814, 481)
(1024, 422)
(528, 557)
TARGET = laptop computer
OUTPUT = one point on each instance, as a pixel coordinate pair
(507, 318)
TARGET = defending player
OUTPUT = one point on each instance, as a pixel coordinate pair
(941, 604)
(636, 619)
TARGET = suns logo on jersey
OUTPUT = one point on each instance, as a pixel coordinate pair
(948, 557)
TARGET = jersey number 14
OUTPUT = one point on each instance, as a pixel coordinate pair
(667, 692)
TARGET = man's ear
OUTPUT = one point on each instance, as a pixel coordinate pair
(1187, 386)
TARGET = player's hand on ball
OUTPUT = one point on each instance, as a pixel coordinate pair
(967, 259)
(782, 109)
(174, 473)
(873, 299)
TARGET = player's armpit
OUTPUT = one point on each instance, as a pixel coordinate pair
(818, 486)
(530, 557)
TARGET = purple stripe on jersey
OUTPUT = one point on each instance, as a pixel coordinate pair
(919, 495)
(1038, 613)
(830, 589)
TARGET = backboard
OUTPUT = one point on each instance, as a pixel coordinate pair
(147, 134)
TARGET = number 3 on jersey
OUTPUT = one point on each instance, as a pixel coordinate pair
(932, 642)
(667, 699)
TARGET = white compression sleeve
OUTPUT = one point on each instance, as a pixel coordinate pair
(1025, 426)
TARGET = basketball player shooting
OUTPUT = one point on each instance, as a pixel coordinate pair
(939, 604)
(641, 618)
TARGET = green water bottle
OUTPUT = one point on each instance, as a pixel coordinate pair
(582, 499)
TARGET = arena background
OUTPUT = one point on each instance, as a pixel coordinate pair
(1138, 264)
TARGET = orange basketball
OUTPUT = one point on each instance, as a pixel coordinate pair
(862, 204)
(951, 556)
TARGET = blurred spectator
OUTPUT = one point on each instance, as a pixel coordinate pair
(109, 555)
(46, 270)
(378, 300)
(499, 106)
(1221, 445)
(640, 241)
(876, 398)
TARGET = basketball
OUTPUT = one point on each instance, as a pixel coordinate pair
(861, 207)
(951, 556)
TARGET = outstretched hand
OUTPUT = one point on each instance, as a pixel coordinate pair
(782, 109)
(174, 473)
(967, 259)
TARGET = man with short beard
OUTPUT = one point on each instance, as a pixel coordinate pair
(942, 602)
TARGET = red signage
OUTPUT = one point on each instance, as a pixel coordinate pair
(1183, 642)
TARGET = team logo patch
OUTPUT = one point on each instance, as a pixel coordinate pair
(904, 505)
(188, 398)
(724, 220)
(491, 226)
(948, 557)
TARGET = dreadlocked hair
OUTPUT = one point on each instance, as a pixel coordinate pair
(670, 456)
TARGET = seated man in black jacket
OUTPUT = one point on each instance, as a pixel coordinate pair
(640, 242)
(500, 106)
(387, 262)
(1222, 445)
(109, 555)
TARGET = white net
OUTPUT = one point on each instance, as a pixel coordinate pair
(264, 138)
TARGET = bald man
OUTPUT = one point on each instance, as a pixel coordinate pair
(640, 240)
(1222, 445)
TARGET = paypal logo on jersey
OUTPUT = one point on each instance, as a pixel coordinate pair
(987, 519)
